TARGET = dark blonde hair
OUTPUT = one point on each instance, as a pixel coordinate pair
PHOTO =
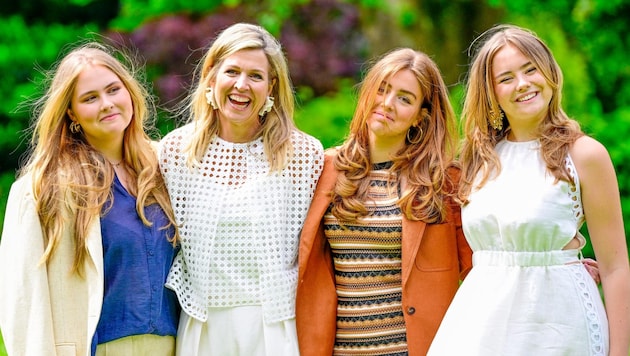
(71, 180)
(557, 131)
(278, 123)
(421, 165)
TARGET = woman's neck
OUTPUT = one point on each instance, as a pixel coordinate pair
(239, 133)
(516, 136)
(383, 150)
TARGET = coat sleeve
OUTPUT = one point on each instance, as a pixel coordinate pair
(463, 249)
(25, 310)
(464, 252)
(316, 300)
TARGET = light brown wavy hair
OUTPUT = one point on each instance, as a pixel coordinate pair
(556, 132)
(421, 166)
(72, 180)
(276, 126)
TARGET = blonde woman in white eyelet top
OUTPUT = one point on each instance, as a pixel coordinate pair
(240, 177)
(239, 224)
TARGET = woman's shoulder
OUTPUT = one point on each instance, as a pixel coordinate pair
(303, 141)
(452, 175)
(177, 135)
(454, 169)
(588, 152)
(592, 162)
(586, 148)
(23, 184)
(21, 196)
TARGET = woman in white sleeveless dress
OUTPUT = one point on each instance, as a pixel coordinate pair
(530, 179)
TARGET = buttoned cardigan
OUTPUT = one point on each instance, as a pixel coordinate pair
(435, 257)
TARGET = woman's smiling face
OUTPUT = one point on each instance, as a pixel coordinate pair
(241, 87)
(396, 108)
(101, 104)
(521, 89)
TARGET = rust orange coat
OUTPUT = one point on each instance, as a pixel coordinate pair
(434, 259)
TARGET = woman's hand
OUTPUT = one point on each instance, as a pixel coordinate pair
(593, 269)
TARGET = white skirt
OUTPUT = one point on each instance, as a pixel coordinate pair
(511, 303)
(236, 331)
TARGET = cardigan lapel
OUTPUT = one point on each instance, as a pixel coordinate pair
(94, 273)
(412, 232)
(319, 205)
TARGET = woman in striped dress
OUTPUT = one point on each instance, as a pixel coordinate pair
(382, 251)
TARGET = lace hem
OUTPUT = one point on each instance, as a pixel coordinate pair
(594, 323)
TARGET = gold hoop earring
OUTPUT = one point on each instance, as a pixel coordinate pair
(418, 135)
(75, 127)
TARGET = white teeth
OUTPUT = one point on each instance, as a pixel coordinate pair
(238, 99)
(527, 97)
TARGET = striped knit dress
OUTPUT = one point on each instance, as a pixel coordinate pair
(367, 260)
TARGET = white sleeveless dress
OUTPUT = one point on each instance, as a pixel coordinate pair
(524, 295)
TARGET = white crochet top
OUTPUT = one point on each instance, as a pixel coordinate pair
(239, 224)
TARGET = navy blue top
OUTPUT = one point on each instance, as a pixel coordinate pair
(137, 259)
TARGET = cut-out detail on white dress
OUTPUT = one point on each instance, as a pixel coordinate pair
(525, 295)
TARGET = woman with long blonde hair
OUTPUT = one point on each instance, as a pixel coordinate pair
(89, 234)
(241, 177)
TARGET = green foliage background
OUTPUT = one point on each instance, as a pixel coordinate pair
(327, 42)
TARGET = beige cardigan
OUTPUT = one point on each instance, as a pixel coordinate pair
(46, 309)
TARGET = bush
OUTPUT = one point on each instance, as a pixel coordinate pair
(327, 117)
(22, 47)
(6, 179)
(318, 56)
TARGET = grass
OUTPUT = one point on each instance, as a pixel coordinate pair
(3, 352)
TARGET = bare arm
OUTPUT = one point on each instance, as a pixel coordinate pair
(602, 209)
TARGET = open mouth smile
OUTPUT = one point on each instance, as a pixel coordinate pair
(239, 101)
(526, 97)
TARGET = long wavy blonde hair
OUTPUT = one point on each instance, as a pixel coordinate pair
(71, 180)
(556, 132)
(422, 165)
(276, 126)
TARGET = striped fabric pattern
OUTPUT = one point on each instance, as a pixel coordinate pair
(367, 259)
